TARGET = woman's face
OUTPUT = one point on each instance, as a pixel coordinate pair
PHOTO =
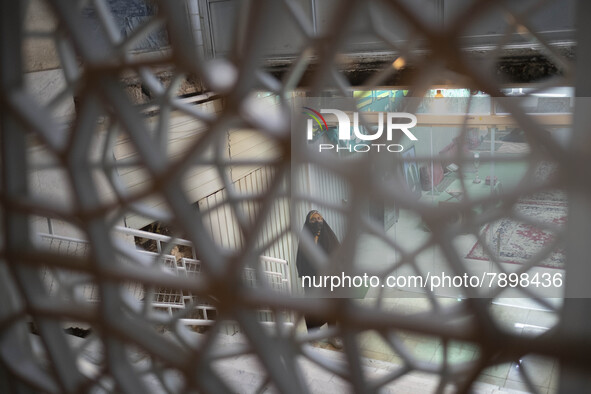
(316, 222)
(316, 217)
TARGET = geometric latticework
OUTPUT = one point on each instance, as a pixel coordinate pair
(120, 114)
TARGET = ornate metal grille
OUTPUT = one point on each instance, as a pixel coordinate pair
(133, 346)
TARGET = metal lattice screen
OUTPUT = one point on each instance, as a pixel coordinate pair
(70, 166)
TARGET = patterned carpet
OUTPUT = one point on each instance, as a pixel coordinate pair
(517, 242)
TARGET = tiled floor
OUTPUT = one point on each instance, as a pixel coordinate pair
(245, 373)
(542, 371)
(519, 315)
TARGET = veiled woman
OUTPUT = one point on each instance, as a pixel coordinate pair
(317, 228)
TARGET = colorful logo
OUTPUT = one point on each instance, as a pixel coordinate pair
(320, 121)
(350, 135)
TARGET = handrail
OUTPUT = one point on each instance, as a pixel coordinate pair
(271, 267)
(154, 236)
(274, 260)
(165, 238)
(63, 238)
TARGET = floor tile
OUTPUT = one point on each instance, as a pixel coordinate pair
(513, 385)
(498, 371)
(455, 355)
(539, 370)
(555, 378)
(491, 380)
(425, 351)
(377, 355)
(542, 319)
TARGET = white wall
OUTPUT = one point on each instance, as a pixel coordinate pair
(222, 219)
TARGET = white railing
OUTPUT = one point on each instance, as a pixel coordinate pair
(159, 238)
(274, 271)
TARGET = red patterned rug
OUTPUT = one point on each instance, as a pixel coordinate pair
(519, 241)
